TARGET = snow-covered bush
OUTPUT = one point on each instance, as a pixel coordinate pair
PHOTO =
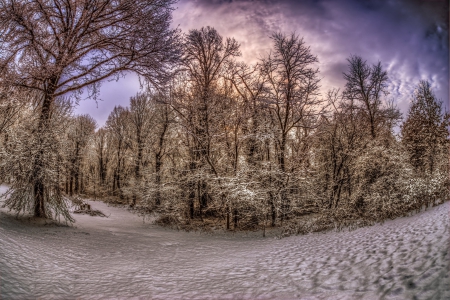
(387, 186)
(381, 176)
(422, 191)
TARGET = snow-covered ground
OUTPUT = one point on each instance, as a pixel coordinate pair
(121, 257)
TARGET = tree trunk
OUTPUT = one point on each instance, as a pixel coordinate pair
(159, 156)
(271, 197)
(77, 178)
(137, 167)
(71, 186)
(158, 179)
(228, 218)
(81, 183)
(114, 182)
(39, 205)
(372, 129)
(273, 212)
(39, 184)
(203, 147)
(282, 154)
(203, 196)
(199, 199)
(119, 184)
(191, 201)
(67, 184)
(102, 168)
(285, 205)
(191, 188)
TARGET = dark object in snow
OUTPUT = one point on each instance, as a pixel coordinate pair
(90, 212)
(82, 207)
(85, 206)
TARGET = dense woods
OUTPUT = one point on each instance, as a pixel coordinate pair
(210, 141)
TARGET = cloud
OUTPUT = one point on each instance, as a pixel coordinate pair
(409, 38)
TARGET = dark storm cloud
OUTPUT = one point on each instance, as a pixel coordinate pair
(410, 38)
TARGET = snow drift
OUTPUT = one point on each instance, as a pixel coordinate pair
(123, 257)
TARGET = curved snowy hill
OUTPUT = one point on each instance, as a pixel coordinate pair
(121, 257)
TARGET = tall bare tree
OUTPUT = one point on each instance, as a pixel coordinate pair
(80, 131)
(141, 117)
(338, 142)
(118, 124)
(164, 120)
(293, 89)
(101, 149)
(250, 84)
(365, 89)
(62, 46)
(206, 55)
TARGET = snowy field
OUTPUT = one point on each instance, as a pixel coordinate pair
(121, 257)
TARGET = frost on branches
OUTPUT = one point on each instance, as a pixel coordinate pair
(217, 144)
(24, 150)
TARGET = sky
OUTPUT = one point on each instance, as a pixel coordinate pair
(409, 37)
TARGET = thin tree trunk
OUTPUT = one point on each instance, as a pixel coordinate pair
(285, 205)
(191, 188)
(191, 200)
(271, 197)
(137, 167)
(67, 184)
(81, 183)
(273, 212)
(77, 177)
(228, 218)
(158, 158)
(158, 179)
(71, 186)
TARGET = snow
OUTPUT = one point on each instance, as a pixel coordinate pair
(123, 257)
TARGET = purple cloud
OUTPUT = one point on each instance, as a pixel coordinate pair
(410, 38)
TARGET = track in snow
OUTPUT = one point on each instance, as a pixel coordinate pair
(121, 257)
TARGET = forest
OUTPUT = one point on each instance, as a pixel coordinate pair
(210, 141)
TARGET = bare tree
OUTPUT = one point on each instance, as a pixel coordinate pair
(164, 120)
(293, 90)
(118, 123)
(57, 47)
(101, 149)
(250, 84)
(141, 117)
(366, 85)
(338, 142)
(80, 131)
(98, 158)
(205, 57)
(246, 116)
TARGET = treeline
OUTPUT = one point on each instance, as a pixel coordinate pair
(239, 146)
